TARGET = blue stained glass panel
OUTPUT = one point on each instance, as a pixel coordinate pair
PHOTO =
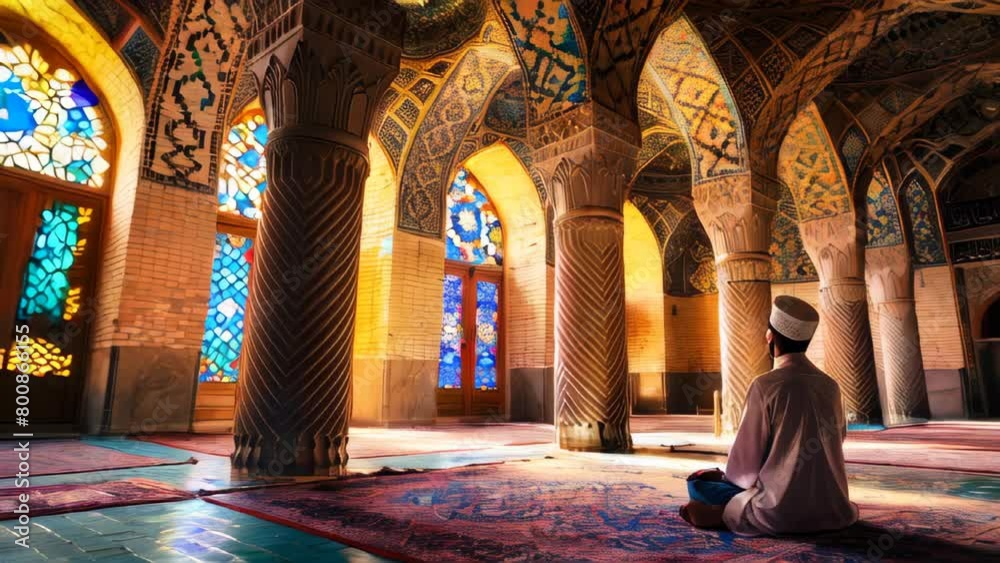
(57, 244)
(450, 362)
(223, 340)
(473, 232)
(487, 305)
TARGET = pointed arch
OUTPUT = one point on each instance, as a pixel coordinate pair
(700, 100)
(643, 294)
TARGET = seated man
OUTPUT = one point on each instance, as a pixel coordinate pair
(785, 472)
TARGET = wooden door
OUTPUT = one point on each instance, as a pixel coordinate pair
(48, 247)
(470, 374)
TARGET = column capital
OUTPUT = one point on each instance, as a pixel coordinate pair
(836, 245)
(889, 273)
(587, 156)
(322, 67)
(736, 211)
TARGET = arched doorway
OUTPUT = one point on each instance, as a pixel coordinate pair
(56, 143)
(987, 345)
(469, 371)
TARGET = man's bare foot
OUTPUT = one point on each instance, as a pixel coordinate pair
(701, 515)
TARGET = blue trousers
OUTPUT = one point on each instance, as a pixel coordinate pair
(715, 493)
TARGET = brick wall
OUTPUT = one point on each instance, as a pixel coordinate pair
(937, 318)
(371, 336)
(167, 269)
(415, 305)
(691, 330)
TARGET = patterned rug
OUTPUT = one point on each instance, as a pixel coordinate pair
(969, 447)
(381, 442)
(59, 499)
(548, 510)
(58, 457)
(956, 435)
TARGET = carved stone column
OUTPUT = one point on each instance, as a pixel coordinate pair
(736, 211)
(837, 248)
(903, 386)
(321, 72)
(586, 157)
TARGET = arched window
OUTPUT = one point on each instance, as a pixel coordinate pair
(468, 367)
(50, 122)
(242, 181)
(55, 147)
(243, 177)
(474, 234)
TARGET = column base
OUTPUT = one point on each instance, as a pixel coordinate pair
(288, 456)
(594, 436)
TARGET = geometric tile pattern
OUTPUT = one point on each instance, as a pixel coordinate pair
(810, 168)
(852, 146)
(142, 54)
(883, 214)
(550, 53)
(789, 260)
(927, 248)
(704, 109)
(448, 120)
(188, 107)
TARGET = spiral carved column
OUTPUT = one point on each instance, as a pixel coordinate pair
(591, 366)
(836, 246)
(321, 71)
(744, 307)
(903, 384)
(587, 156)
(296, 384)
(736, 211)
(849, 355)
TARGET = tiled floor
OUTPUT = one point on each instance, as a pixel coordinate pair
(199, 531)
(192, 530)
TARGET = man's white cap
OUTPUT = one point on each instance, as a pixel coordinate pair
(794, 318)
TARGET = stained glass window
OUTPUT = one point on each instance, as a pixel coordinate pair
(220, 348)
(450, 364)
(243, 178)
(49, 297)
(473, 233)
(50, 121)
(487, 302)
(46, 289)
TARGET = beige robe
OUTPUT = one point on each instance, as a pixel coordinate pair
(788, 454)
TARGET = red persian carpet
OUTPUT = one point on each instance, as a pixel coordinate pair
(547, 511)
(57, 457)
(59, 499)
(382, 442)
(949, 446)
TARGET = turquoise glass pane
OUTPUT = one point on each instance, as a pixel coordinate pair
(487, 305)
(450, 362)
(223, 340)
(473, 234)
(46, 279)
